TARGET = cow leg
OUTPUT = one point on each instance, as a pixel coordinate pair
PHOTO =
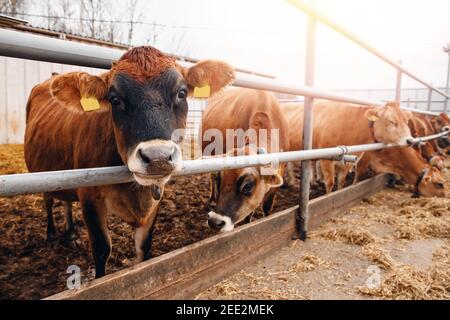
(143, 237)
(290, 174)
(213, 187)
(362, 167)
(328, 172)
(342, 173)
(70, 228)
(51, 229)
(96, 224)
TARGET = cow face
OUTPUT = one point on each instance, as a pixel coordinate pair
(147, 91)
(146, 114)
(441, 123)
(431, 183)
(390, 124)
(238, 193)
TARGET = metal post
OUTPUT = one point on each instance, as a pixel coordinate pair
(447, 89)
(398, 87)
(430, 93)
(303, 214)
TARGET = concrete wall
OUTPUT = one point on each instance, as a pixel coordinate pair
(17, 78)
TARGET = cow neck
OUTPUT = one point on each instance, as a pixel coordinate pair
(108, 138)
(412, 166)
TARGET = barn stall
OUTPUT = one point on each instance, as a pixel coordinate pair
(188, 270)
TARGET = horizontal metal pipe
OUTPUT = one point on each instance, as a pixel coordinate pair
(247, 81)
(317, 14)
(28, 46)
(16, 184)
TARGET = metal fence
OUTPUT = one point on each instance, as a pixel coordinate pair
(27, 46)
(416, 98)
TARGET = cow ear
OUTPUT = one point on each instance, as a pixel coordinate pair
(260, 120)
(72, 86)
(215, 74)
(408, 115)
(274, 180)
(373, 114)
(92, 86)
(63, 87)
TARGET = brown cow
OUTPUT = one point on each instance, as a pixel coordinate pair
(434, 124)
(238, 193)
(341, 124)
(442, 123)
(407, 163)
(427, 148)
(142, 104)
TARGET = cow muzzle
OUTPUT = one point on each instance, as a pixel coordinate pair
(154, 160)
(220, 222)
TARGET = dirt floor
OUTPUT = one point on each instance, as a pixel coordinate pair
(389, 247)
(328, 266)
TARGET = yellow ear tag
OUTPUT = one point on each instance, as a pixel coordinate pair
(202, 92)
(90, 104)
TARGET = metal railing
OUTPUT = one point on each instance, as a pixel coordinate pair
(314, 12)
(28, 46)
(16, 184)
(315, 15)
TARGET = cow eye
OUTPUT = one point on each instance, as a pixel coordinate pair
(247, 188)
(115, 101)
(182, 94)
(439, 185)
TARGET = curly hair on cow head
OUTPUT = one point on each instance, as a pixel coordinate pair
(144, 62)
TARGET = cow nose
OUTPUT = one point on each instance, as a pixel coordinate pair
(410, 141)
(216, 224)
(158, 158)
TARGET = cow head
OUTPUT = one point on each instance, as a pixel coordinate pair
(430, 183)
(239, 192)
(441, 123)
(147, 91)
(390, 124)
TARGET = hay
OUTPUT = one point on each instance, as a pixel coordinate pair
(12, 159)
(348, 234)
(379, 256)
(421, 218)
(308, 262)
(256, 287)
(407, 282)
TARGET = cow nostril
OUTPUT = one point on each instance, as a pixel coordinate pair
(144, 158)
(170, 158)
(410, 141)
(216, 224)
